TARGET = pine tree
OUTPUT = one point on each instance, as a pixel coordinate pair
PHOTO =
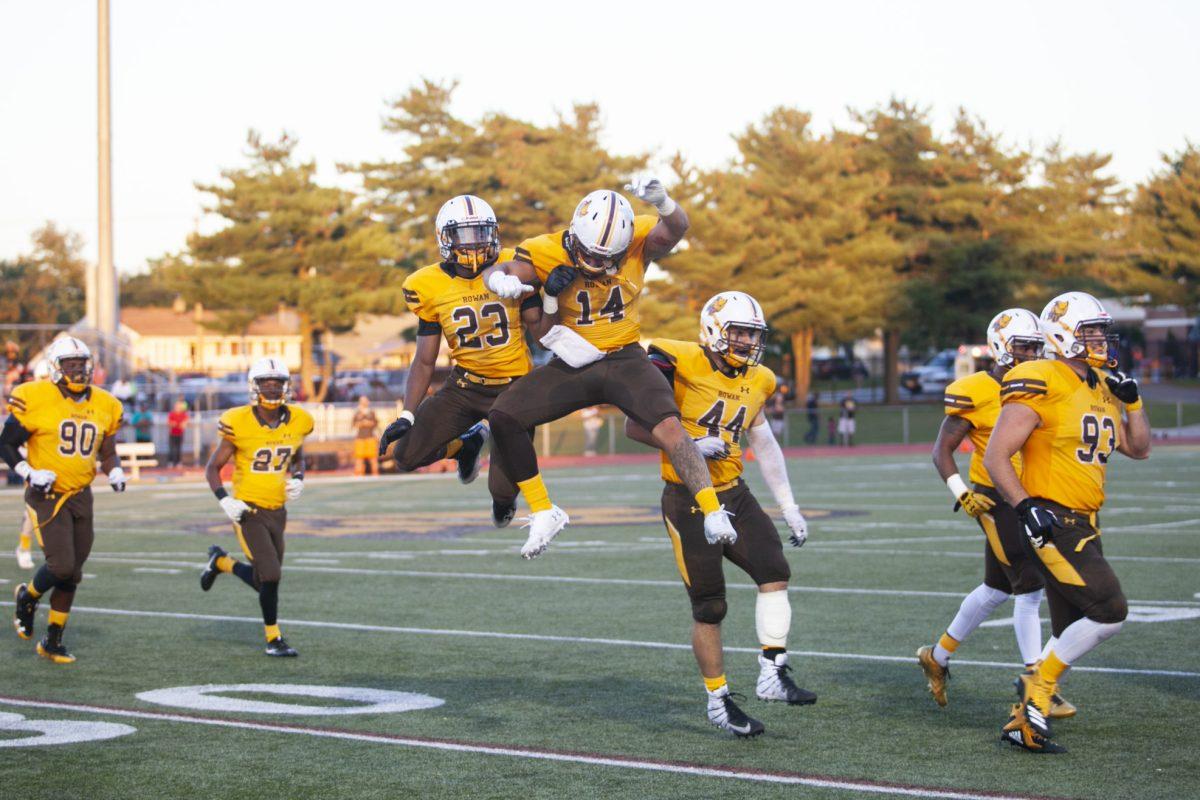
(44, 286)
(1166, 215)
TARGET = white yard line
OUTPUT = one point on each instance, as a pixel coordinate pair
(539, 637)
(597, 759)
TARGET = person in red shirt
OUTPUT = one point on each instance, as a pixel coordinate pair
(177, 422)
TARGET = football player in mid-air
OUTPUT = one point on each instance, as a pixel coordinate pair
(41, 372)
(66, 425)
(486, 337)
(721, 389)
(264, 440)
(1014, 336)
(592, 274)
(1065, 416)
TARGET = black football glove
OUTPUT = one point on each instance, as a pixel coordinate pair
(559, 279)
(1039, 521)
(402, 425)
(1123, 387)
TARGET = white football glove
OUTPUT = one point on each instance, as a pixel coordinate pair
(650, 190)
(509, 287)
(234, 509)
(293, 488)
(712, 447)
(116, 479)
(717, 527)
(42, 480)
(797, 524)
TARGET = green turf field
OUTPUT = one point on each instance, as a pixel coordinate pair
(577, 662)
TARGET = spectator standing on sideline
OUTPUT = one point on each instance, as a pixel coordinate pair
(592, 423)
(143, 424)
(366, 437)
(177, 422)
(846, 422)
(777, 412)
(814, 418)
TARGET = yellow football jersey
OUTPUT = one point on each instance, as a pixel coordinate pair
(1066, 456)
(602, 310)
(712, 403)
(483, 331)
(65, 433)
(976, 398)
(264, 454)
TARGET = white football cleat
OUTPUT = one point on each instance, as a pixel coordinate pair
(774, 683)
(543, 527)
(24, 558)
(717, 527)
(726, 715)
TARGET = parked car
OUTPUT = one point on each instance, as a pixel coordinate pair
(933, 376)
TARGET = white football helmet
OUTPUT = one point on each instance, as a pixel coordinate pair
(733, 326)
(600, 233)
(41, 370)
(467, 232)
(1063, 321)
(262, 369)
(66, 349)
(1012, 327)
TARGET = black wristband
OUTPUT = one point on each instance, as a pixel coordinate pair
(298, 476)
(220, 493)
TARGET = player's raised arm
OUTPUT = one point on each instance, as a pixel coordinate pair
(672, 219)
(1135, 428)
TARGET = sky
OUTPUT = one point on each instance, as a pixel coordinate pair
(189, 78)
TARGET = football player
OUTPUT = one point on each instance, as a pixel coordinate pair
(721, 389)
(41, 372)
(264, 440)
(486, 337)
(1066, 416)
(1014, 336)
(66, 425)
(592, 274)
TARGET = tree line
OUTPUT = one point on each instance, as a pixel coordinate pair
(884, 225)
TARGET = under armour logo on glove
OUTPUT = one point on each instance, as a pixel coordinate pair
(1039, 522)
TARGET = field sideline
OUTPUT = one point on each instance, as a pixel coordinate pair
(571, 675)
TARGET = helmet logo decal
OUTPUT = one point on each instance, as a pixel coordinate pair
(1002, 323)
(583, 208)
(1059, 310)
(717, 304)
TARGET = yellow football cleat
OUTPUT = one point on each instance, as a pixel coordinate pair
(54, 651)
(1060, 707)
(935, 674)
(1019, 733)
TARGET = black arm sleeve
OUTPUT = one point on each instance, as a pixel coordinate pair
(534, 300)
(12, 436)
(427, 328)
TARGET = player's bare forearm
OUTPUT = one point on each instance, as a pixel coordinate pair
(297, 464)
(689, 465)
(1012, 430)
(1135, 435)
(950, 436)
(421, 371)
(538, 322)
(219, 458)
(667, 233)
(108, 455)
(639, 434)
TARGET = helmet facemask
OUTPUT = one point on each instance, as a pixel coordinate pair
(72, 372)
(593, 265)
(473, 246)
(1092, 343)
(270, 392)
(741, 344)
(1024, 348)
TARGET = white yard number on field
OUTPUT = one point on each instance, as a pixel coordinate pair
(42, 732)
(213, 697)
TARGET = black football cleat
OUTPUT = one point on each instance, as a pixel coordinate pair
(52, 648)
(468, 455)
(210, 573)
(726, 715)
(502, 514)
(281, 649)
(26, 607)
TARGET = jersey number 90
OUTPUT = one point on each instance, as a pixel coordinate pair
(77, 438)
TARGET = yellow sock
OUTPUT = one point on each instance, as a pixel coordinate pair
(453, 448)
(1052, 669)
(948, 643)
(535, 494)
(225, 563)
(712, 684)
(33, 593)
(58, 618)
(706, 498)
(24, 543)
(272, 632)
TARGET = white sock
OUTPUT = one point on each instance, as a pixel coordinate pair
(1027, 626)
(1082, 637)
(773, 618)
(1050, 643)
(975, 608)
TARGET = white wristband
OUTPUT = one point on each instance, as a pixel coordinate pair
(408, 415)
(957, 486)
(549, 304)
(667, 207)
(23, 469)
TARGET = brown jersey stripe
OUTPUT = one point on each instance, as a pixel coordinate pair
(1025, 390)
(959, 398)
(522, 254)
